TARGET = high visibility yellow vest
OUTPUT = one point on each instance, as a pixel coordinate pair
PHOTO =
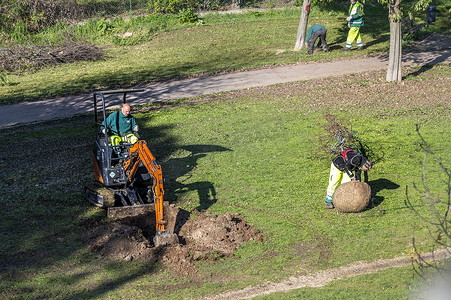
(356, 14)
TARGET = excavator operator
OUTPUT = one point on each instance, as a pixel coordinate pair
(122, 126)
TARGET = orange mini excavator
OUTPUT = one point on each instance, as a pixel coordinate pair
(128, 180)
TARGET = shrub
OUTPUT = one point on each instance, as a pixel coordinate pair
(33, 15)
(172, 6)
(3, 79)
(188, 15)
(104, 27)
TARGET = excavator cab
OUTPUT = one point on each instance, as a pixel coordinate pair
(109, 160)
(109, 156)
(128, 180)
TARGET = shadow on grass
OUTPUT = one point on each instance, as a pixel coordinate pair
(379, 33)
(107, 286)
(44, 216)
(422, 69)
(179, 169)
(126, 79)
(377, 186)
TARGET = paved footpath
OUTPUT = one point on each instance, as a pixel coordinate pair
(64, 107)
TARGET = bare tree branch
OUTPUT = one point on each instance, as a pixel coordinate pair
(432, 208)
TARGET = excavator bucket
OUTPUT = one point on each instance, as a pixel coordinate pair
(165, 238)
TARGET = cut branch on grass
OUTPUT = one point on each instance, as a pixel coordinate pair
(337, 135)
(18, 58)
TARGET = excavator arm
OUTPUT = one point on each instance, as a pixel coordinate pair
(139, 153)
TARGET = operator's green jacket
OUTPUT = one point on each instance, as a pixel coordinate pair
(121, 125)
(356, 14)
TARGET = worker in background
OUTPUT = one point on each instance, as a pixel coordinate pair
(355, 21)
(315, 32)
(122, 126)
(347, 166)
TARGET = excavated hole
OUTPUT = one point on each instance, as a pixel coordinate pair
(202, 236)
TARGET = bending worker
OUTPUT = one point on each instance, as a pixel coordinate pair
(315, 32)
(342, 170)
(122, 126)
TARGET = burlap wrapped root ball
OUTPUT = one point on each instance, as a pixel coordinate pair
(352, 196)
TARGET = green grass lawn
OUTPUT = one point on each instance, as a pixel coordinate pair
(224, 42)
(162, 48)
(256, 149)
(387, 284)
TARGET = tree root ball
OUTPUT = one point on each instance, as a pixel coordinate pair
(352, 196)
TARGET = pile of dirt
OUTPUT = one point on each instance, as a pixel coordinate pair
(202, 236)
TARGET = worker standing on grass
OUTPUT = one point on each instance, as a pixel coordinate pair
(342, 170)
(123, 126)
(315, 32)
(355, 21)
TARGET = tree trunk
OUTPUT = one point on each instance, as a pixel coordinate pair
(300, 38)
(395, 54)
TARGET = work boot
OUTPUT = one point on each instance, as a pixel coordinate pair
(345, 49)
(325, 50)
(329, 205)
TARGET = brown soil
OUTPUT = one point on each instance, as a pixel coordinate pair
(202, 236)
